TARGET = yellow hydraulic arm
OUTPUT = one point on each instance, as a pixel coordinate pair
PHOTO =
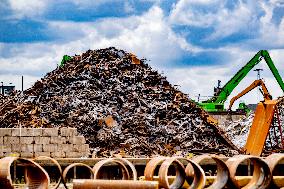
(255, 84)
(262, 120)
(260, 127)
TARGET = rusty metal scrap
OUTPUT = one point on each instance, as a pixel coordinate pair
(35, 176)
(72, 166)
(114, 184)
(222, 175)
(273, 160)
(187, 173)
(261, 176)
(120, 107)
(60, 179)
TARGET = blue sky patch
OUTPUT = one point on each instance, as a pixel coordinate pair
(26, 30)
(71, 12)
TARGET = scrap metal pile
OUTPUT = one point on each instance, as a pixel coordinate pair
(275, 139)
(238, 131)
(119, 105)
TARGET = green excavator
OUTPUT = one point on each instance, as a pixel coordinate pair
(216, 103)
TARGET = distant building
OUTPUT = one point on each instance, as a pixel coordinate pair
(7, 90)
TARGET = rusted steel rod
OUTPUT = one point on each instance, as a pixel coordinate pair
(114, 184)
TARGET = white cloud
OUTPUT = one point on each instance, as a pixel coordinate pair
(128, 8)
(186, 13)
(215, 14)
(88, 3)
(148, 35)
(28, 8)
(270, 33)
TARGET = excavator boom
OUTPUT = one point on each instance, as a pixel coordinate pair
(255, 84)
(216, 103)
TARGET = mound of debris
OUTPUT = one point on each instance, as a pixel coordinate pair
(119, 104)
(238, 131)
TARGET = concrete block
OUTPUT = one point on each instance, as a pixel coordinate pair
(73, 155)
(37, 148)
(58, 154)
(50, 132)
(5, 132)
(81, 148)
(27, 147)
(86, 148)
(11, 140)
(42, 140)
(77, 140)
(49, 147)
(34, 131)
(27, 154)
(68, 131)
(15, 148)
(65, 147)
(19, 132)
(58, 140)
(26, 140)
(85, 154)
(6, 148)
(37, 154)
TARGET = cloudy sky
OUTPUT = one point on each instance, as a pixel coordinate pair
(194, 43)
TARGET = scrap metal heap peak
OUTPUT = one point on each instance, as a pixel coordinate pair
(119, 103)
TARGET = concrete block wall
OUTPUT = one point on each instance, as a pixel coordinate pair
(33, 142)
